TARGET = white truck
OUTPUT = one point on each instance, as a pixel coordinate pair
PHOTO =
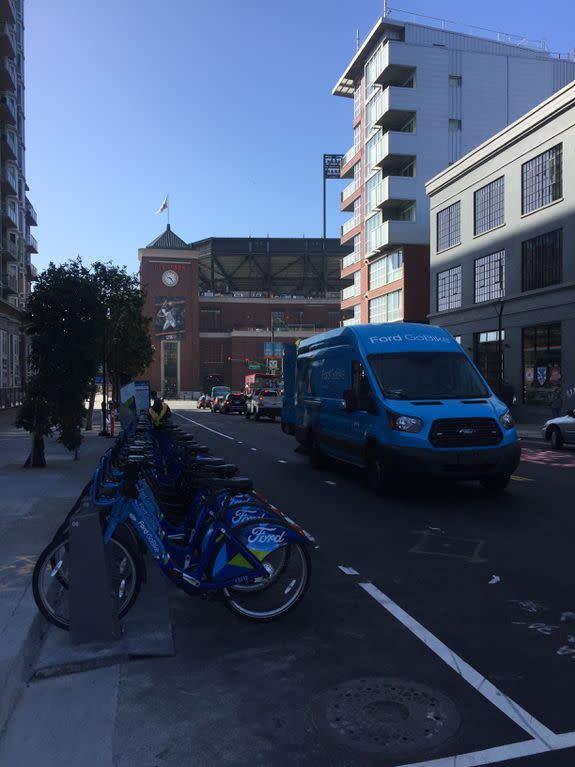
(264, 402)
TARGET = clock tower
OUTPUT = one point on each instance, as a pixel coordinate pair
(169, 274)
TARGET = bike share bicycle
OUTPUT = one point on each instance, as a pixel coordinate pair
(206, 529)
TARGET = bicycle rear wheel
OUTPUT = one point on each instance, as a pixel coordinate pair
(51, 578)
(289, 569)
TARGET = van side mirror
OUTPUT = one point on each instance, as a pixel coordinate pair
(349, 400)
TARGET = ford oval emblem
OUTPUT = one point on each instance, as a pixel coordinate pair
(467, 431)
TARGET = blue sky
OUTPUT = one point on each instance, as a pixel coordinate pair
(227, 106)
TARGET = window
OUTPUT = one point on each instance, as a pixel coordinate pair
(488, 206)
(359, 380)
(210, 319)
(454, 125)
(486, 355)
(541, 362)
(333, 318)
(356, 139)
(541, 180)
(355, 255)
(455, 81)
(542, 260)
(213, 354)
(3, 359)
(449, 227)
(449, 289)
(356, 316)
(387, 308)
(408, 126)
(277, 319)
(386, 270)
(490, 277)
(371, 186)
(273, 350)
(356, 101)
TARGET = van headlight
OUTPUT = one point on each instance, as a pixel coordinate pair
(507, 420)
(405, 423)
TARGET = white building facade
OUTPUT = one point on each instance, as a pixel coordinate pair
(423, 98)
(503, 254)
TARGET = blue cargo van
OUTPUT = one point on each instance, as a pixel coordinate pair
(400, 400)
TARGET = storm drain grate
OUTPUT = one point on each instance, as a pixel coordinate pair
(389, 716)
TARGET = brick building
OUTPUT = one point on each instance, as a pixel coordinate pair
(225, 305)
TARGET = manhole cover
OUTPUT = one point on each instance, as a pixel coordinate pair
(385, 715)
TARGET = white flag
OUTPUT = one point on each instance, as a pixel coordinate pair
(163, 206)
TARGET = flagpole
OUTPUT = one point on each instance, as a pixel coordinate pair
(168, 209)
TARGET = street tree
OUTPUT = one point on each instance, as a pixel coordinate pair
(61, 321)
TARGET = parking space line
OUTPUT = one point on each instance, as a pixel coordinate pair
(201, 425)
(512, 710)
(347, 570)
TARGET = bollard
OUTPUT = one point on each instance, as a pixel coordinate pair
(93, 608)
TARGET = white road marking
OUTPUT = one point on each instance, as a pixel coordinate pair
(507, 706)
(517, 478)
(239, 443)
(348, 570)
(254, 449)
(281, 460)
(201, 425)
(329, 482)
(498, 754)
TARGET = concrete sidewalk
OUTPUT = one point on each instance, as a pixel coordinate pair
(33, 502)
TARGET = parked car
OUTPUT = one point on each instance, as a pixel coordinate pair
(560, 431)
(218, 392)
(264, 402)
(235, 402)
(203, 401)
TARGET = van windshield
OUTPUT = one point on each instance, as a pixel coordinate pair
(427, 376)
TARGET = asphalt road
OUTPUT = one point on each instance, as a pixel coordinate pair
(440, 623)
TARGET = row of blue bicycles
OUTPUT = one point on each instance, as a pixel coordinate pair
(209, 531)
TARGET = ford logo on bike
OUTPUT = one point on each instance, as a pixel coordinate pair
(467, 431)
(265, 535)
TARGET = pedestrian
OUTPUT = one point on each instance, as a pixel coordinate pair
(556, 402)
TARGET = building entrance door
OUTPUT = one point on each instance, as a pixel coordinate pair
(170, 369)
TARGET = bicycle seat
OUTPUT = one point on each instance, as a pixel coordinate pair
(230, 483)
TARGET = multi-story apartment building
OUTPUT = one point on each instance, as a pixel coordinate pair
(502, 245)
(224, 306)
(423, 97)
(17, 214)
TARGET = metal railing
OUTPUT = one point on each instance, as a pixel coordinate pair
(350, 154)
(31, 213)
(351, 258)
(350, 292)
(11, 397)
(351, 224)
(350, 188)
(31, 242)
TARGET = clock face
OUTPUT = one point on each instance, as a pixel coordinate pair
(170, 278)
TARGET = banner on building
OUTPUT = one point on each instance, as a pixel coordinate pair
(170, 316)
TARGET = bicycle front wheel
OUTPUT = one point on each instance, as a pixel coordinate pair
(289, 571)
(51, 579)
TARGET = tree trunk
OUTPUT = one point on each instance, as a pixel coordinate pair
(36, 459)
(90, 416)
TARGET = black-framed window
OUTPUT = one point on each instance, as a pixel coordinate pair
(449, 226)
(490, 277)
(542, 179)
(542, 258)
(541, 363)
(449, 289)
(489, 206)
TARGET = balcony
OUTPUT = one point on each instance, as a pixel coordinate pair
(350, 259)
(10, 214)
(7, 75)
(32, 273)
(8, 113)
(393, 148)
(390, 233)
(7, 41)
(350, 224)
(348, 161)
(8, 11)
(31, 217)
(393, 190)
(350, 292)
(347, 196)
(9, 248)
(9, 283)
(9, 180)
(31, 243)
(9, 146)
(392, 109)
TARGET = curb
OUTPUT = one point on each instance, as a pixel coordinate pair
(16, 669)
